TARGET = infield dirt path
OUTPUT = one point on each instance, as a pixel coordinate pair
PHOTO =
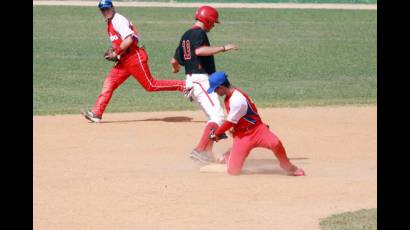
(133, 172)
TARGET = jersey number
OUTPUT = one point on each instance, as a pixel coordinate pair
(186, 46)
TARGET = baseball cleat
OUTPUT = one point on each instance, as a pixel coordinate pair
(299, 172)
(202, 157)
(89, 115)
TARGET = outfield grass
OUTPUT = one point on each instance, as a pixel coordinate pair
(286, 57)
(365, 219)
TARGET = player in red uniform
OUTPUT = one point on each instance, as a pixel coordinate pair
(133, 60)
(248, 129)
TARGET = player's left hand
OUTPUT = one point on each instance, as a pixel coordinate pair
(230, 47)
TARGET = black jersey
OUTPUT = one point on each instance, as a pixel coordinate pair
(185, 52)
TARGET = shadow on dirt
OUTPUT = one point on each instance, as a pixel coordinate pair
(165, 119)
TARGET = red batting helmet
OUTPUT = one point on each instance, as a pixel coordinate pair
(207, 15)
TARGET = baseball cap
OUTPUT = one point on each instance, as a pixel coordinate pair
(216, 79)
(105, 4)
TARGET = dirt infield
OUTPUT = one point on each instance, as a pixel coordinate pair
(133, 172)
(220, 5)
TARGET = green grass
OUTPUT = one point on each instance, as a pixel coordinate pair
(286, 57)
(365, 219)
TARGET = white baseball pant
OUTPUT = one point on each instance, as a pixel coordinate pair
(209, 103)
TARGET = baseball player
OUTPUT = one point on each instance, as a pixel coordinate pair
(248, 129)
(195, 53)
(130, 58)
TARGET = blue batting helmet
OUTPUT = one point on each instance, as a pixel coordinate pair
(104, 4)
(215, 80)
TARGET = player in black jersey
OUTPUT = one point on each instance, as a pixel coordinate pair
(195, 53)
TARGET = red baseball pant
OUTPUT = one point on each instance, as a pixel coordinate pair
(260, 136)
(137, 66)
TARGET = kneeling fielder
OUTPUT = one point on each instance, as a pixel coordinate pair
(249, 131)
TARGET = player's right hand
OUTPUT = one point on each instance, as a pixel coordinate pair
(175, 70)
(175, 65)
(216, 137)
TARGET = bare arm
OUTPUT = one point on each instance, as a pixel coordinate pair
(126, 42)
(124, 45)
(209, 50)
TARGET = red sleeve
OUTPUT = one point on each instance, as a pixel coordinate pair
(224, 127)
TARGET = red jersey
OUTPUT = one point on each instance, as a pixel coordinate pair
(119, 28)
(241, 111)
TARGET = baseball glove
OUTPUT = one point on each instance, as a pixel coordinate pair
(109, 55)
(212, 135)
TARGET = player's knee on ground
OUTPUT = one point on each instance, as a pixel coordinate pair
(234, 171)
